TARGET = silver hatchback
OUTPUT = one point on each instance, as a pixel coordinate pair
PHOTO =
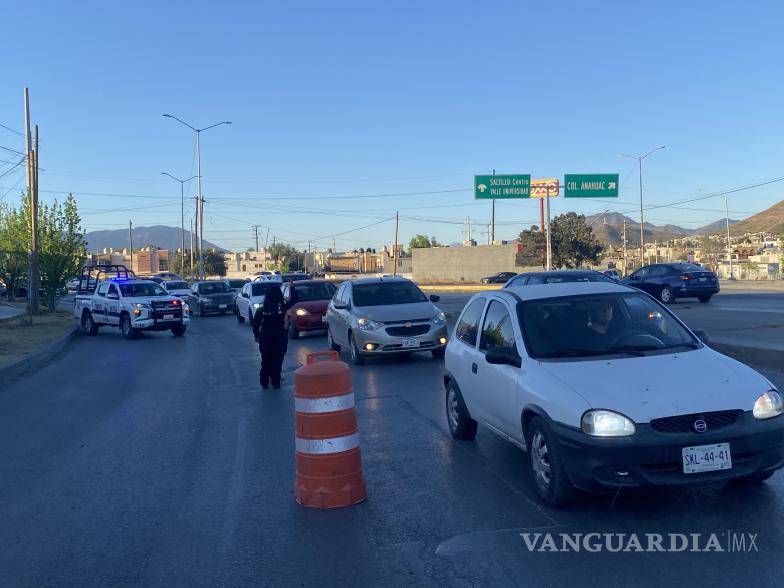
(379, 316)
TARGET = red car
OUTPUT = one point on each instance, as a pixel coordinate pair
(312, 298)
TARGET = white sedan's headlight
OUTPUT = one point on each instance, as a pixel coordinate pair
(768, 405)
(366, 324)
(439, 319)
(606, 423)
(301, 312)
(258, 304)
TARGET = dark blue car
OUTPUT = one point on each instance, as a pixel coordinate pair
(669, 281)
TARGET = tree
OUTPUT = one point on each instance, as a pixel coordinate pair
(62, 246)
(573, 242)
(422, 242)
(286, 257)
(14, 245)
(176, 265)
(533, 247)
(214, 263)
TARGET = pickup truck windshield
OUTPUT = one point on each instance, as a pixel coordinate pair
(385, 293)
(141, 289)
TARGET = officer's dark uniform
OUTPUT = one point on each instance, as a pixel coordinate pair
(270, 332)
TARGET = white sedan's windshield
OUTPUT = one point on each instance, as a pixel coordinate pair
(603, 324)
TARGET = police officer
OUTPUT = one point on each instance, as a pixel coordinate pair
(270, 333)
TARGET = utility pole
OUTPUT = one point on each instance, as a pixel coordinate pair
(639, 159)
(729, 243)
(548, 233)
(468, 224)
(394, 250)
(32, 192)
(256, 232)
(625, 267)
(491, 235)
(191, 231)
(130, 241)
(182, 215)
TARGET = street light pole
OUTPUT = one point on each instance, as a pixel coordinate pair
(182, 216)
(199, 197)
(639, 159)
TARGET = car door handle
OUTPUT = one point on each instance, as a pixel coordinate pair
(474, 367)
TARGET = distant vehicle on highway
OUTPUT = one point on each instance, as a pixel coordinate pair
(251, 298)
(613, 273)
(597, 382)
(669, 281)
(236, 284)
(211, 296)
(294, 276)
(179, 288)
(557, 277)
(309, 311)
(133, 305)
(499, 278)
(379, 316)
(166, 276)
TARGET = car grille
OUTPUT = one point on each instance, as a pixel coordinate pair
(408, 331)
(685, 423)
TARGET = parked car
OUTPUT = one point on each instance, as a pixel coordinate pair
(499, 278)
(309, 311)
(236, 284)
(379, 316)
(669, 281)
(251, 298)
(179, 288)
(211, 296)
(613, 273)
(72, 285)
(597, 382)
(557, 277)
(165, 276)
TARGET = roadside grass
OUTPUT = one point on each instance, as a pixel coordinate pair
(18, 339)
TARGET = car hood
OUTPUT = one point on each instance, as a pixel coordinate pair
(398, 312)
(655, 386)
(149, 299)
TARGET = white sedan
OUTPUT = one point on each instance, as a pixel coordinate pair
(251, 298)
(607, 389)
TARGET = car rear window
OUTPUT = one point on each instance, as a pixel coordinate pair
(176, 285)
(261, 288)
(213, 287)
(236, 283)
(314, 291)
(688, 267)
(386, 293)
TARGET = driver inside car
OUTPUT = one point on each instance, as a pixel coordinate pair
(600, 329)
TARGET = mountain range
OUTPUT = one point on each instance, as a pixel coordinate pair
(159, 236)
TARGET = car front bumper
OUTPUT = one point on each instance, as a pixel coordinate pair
(309, 322)
(384, 343)
(650, 458)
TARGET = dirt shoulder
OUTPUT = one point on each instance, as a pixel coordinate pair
(19, 339)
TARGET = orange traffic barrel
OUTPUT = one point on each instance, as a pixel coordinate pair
(329, 464)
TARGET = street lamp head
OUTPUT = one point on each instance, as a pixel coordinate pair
(168, 115)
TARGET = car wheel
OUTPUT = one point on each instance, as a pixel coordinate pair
(753, 479)
(240, 318)
(331, 342)
(250, 317)
(293, 332)
(704, 299)
(356, 357)
(125, 326)
(461, 425)
(88, 325)
(201, 310)
(667, 296)
(551, 482)
(438, 353)
(179, 330)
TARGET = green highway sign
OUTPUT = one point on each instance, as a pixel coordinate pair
(503, 186)
(590, 185)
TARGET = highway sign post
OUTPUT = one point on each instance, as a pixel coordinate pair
(590, 185)
(502, 186)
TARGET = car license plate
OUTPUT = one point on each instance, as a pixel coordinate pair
(222, 306)
(410, 343)
(168, 317)
(702, 280)
(706, 458)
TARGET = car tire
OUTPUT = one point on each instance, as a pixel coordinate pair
(293, 332)
(179, 330)
(201, 310)
(331, 342)
(704, 299)
(125, 327)
(753, 479)
(551, 482)
(88, 325)
(666, 295)
(461, 425)
(356, 357)
(438, 353)
(240, 318)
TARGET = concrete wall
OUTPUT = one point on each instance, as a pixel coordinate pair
(462, 264)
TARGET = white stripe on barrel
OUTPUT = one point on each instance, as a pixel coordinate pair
(324, 446)
(325, 404)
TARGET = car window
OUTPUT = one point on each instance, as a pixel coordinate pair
(658, 271)
(497, 332)
(642, 272)
(688, 267)
(468, 326)
(103, 289)
(176, 285)
(387, 293)
(314, 291)
(261, 288)
(535, 280)
(213, 288)
(113, 290)
(518, 281)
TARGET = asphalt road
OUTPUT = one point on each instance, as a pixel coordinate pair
(160, 462)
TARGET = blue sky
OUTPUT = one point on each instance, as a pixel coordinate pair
(366, 99)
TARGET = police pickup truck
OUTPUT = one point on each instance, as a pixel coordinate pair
(133, 305)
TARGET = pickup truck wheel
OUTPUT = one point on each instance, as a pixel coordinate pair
(240, 318)
(179, 330)
(461, 425)
(551, 481)
(88, 325)
(293, 332)
(438, 353)
(125, 326)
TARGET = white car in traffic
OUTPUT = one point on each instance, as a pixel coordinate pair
(179, 288)
(251, 298)
(607, 389)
